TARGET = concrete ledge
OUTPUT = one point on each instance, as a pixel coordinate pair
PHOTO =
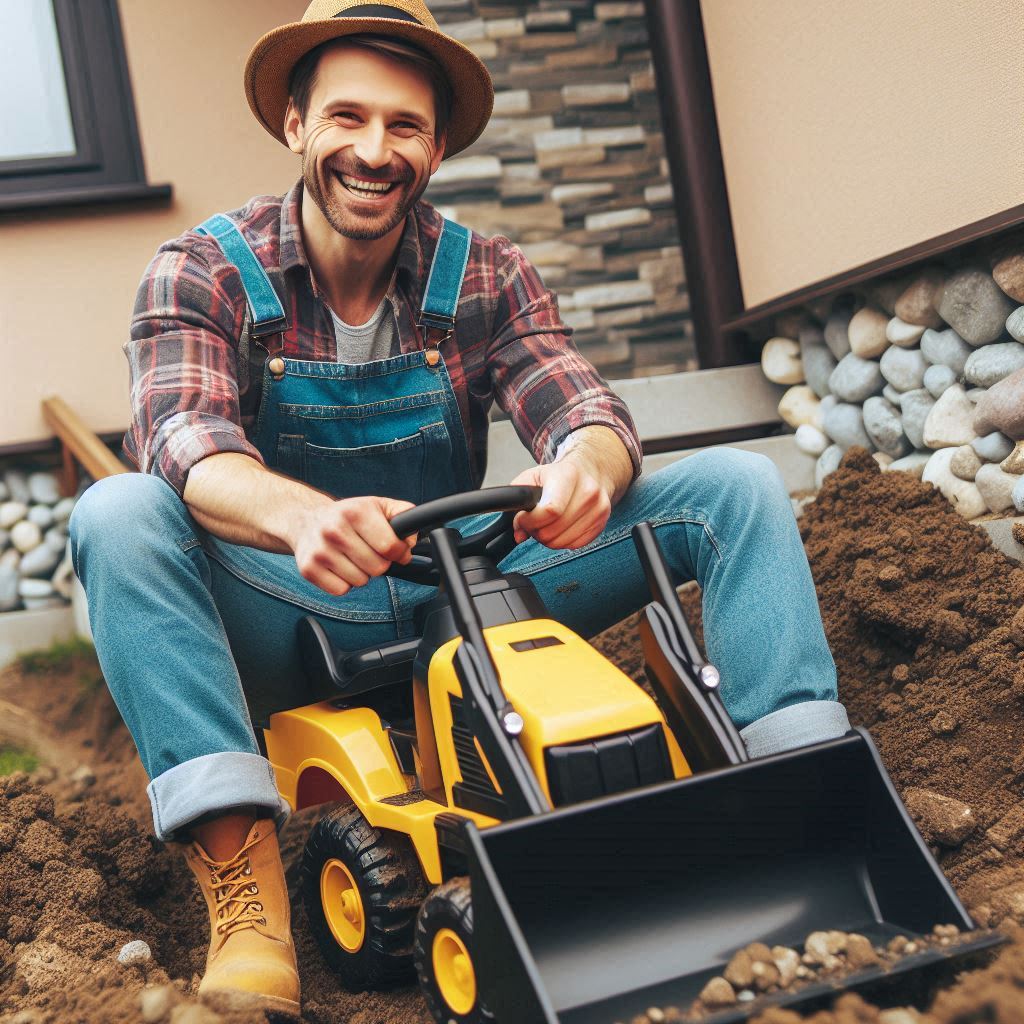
(700, 400)
(21, 632)
(508, 458)
(1000, 532)
(796, 467)
(676, 404)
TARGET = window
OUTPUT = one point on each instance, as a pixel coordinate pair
(69, 133)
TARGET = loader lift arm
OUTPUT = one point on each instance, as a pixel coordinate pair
(685, 687)
(490, 716)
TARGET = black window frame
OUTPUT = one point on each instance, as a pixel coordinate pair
(107, 165)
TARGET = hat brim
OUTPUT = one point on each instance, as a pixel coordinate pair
(272, 58)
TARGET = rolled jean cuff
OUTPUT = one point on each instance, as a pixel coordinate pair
(812, 721)
(213, 782)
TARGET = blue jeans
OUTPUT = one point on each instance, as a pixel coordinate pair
(194, 634)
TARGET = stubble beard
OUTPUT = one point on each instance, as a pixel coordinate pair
(364, 228)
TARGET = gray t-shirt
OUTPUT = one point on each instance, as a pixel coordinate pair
(376, 339)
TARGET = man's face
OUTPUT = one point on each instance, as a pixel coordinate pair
(370, 122)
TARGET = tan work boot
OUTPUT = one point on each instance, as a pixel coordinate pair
(251, 948)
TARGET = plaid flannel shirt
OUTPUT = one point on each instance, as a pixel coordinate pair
(509, 342)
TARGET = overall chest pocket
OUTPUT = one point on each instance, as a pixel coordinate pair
(416, 467)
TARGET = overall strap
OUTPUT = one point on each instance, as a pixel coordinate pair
(266, 313)
(444, 283)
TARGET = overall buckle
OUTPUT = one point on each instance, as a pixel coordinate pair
(437, 322)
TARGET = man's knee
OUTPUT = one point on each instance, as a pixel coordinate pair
(747, 476)
(730, 475)
(119, 511)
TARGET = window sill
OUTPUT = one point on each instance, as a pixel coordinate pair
(93, 196)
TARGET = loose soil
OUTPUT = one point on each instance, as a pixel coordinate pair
(926, 624)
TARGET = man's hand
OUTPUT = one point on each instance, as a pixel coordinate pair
(592, 472)
(342, 544)
(337, 545)
(571, 512)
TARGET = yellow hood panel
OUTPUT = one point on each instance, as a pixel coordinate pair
(566, 692)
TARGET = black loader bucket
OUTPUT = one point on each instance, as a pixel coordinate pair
(593, 913)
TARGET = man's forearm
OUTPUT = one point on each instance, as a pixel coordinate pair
(601, 452)
(243, 502)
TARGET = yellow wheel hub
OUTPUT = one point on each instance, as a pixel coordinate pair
(453, 970)
(343, 906)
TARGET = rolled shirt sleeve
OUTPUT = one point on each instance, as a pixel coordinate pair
(182, 357)
(539, 377)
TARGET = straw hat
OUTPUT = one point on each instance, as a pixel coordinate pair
(273, 57)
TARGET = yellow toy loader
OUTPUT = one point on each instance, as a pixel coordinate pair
(542, 842)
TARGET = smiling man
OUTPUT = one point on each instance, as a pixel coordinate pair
(305, 367)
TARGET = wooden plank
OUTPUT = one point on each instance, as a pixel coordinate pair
(96, 458)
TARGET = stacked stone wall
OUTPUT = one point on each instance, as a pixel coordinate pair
(572, 168)
(925, 369)
(35, 567)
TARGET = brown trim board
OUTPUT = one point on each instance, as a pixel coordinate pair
(957, 241)
(707, 438)
(51, 446)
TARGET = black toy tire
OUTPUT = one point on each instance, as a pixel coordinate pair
(391, 887)
(448, 906)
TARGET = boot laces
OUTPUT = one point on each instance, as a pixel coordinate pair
(234, 891)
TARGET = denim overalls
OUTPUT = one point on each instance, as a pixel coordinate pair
(390, 427)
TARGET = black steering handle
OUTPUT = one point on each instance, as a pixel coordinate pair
(494, 540)
(433, 514)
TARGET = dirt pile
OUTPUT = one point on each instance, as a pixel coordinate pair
(74, 888)
(80, 882)
(81, 876)
(923, 618)
(926, 622)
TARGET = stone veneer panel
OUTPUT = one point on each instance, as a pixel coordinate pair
(572, 168)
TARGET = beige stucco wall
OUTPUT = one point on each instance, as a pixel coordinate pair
(68, 278)
(850, 131)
